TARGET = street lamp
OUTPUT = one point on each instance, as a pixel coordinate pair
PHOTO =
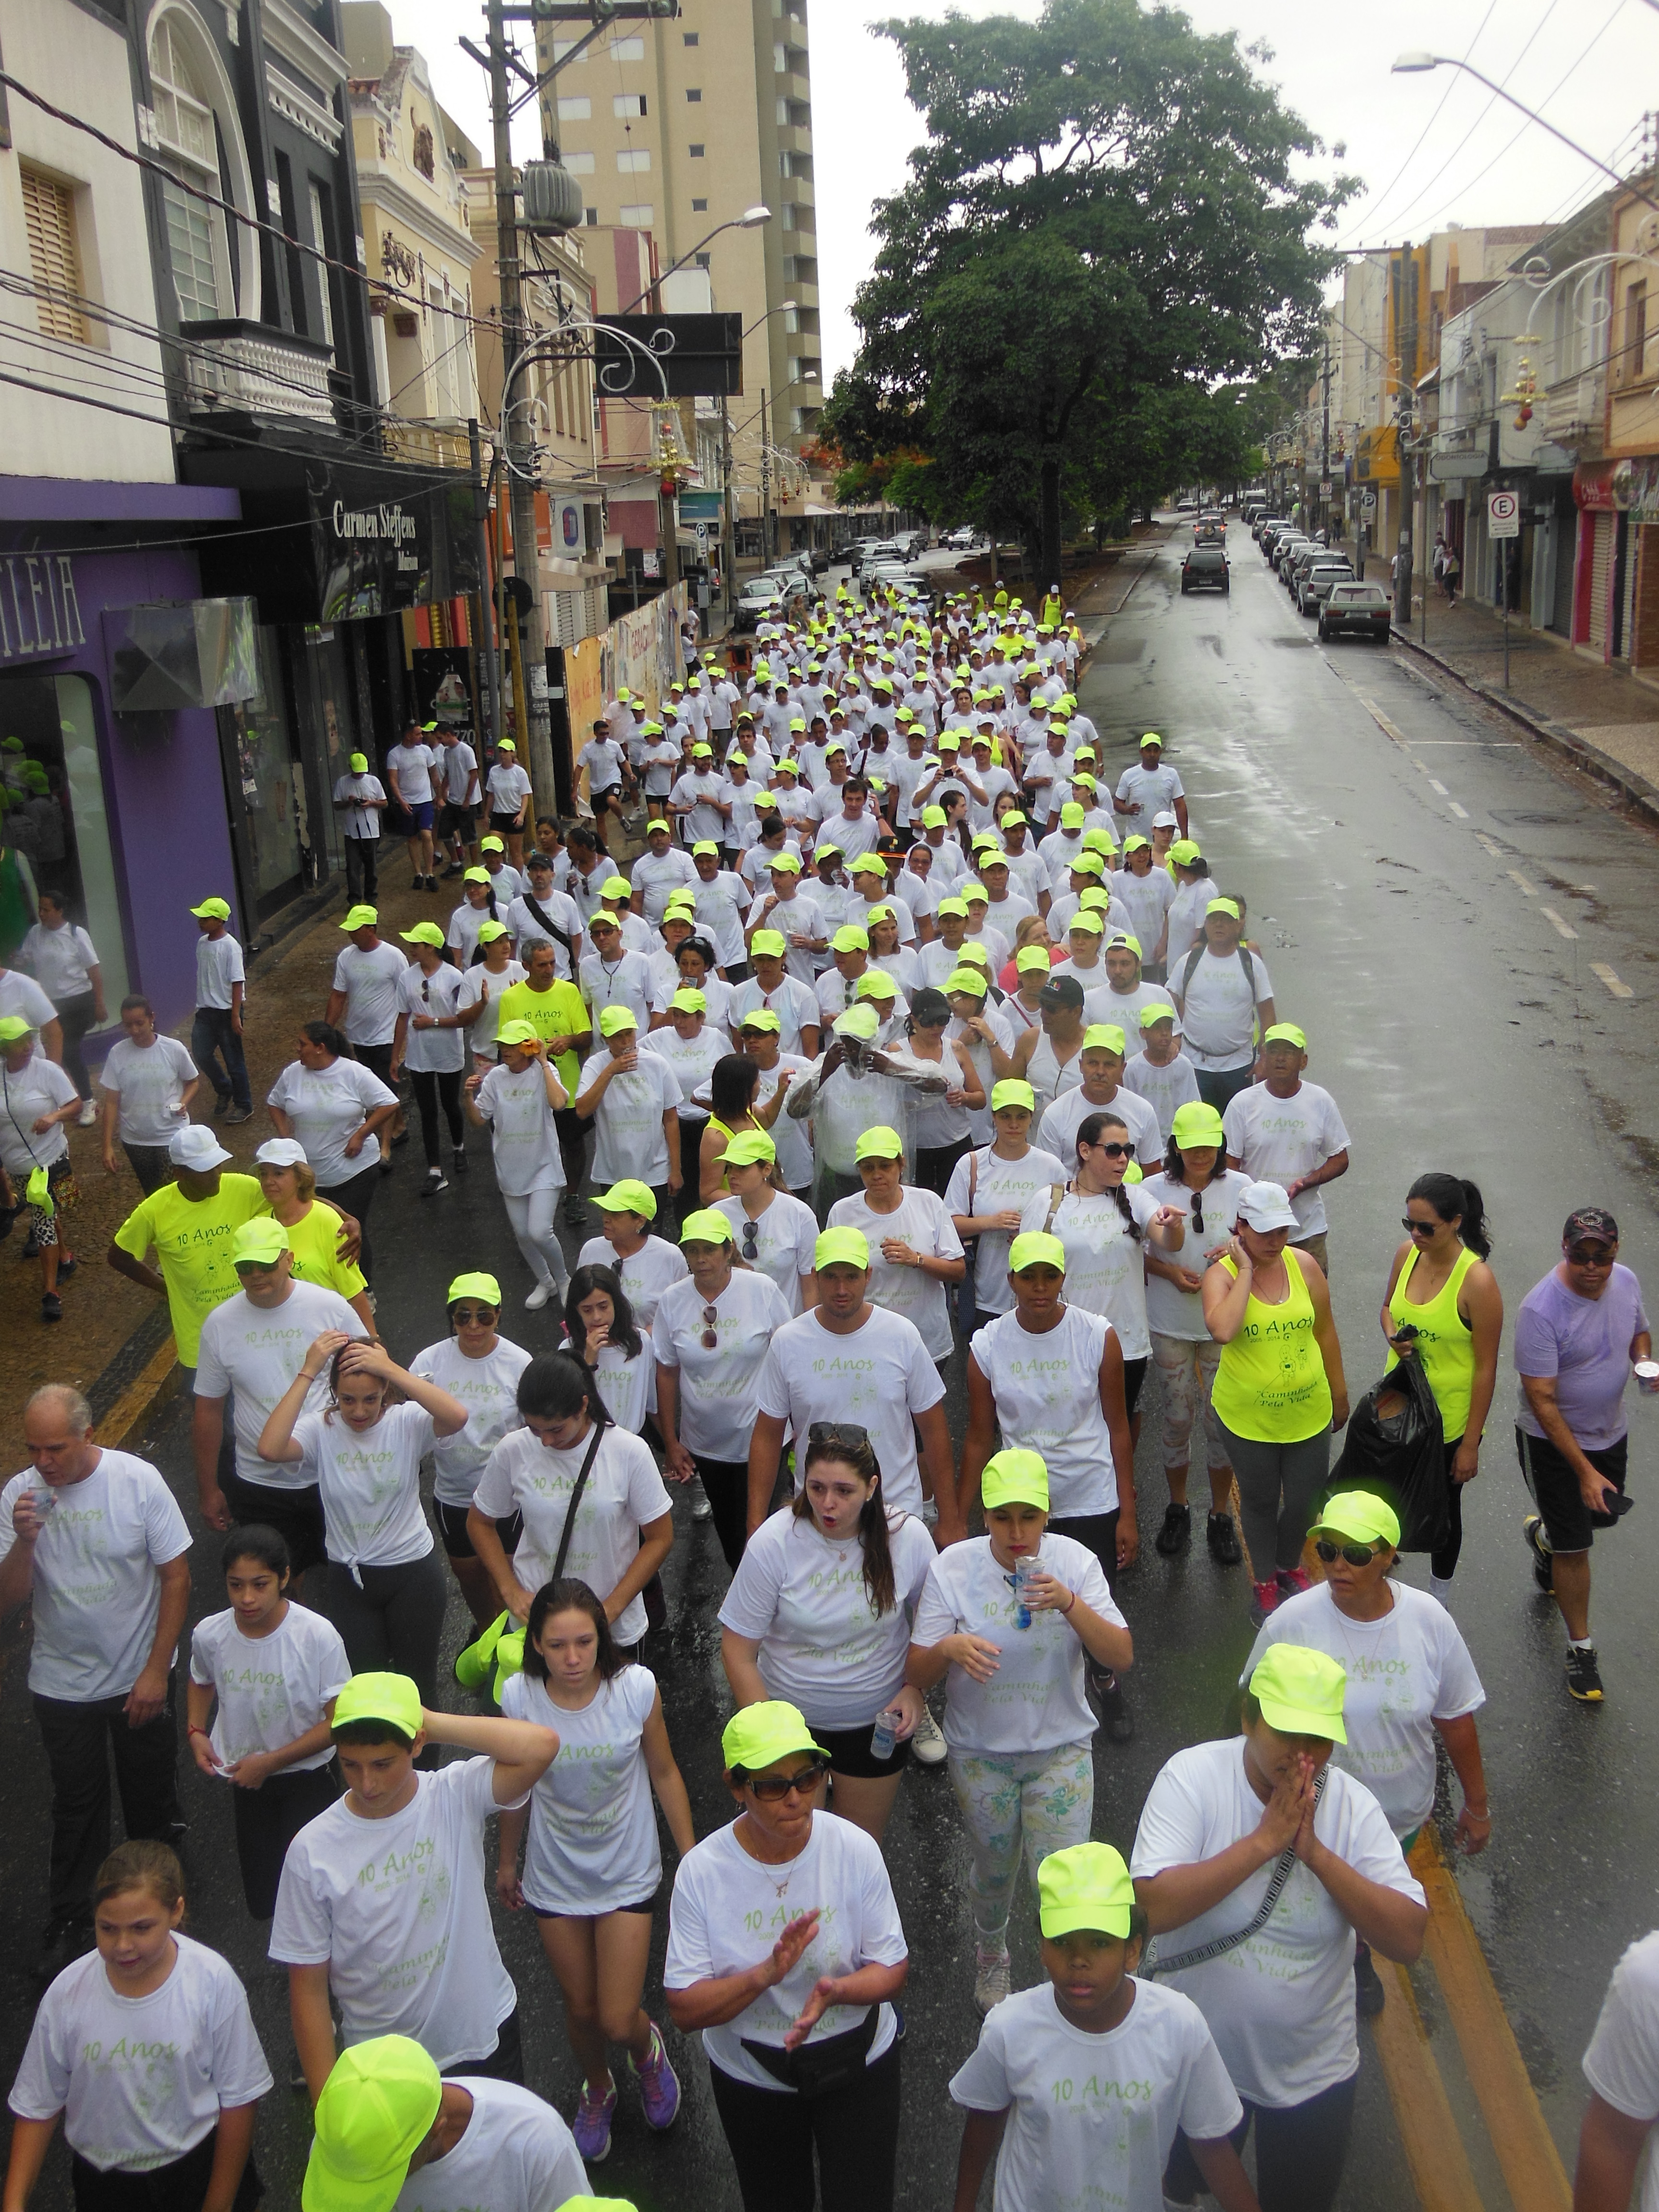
(1417, 62)
(750, 219)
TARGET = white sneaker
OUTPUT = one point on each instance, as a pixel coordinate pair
(927, 1744)
(88, 1117)
(700, 1508)
(993, 1977)
(539, 1297)
(930, 1512)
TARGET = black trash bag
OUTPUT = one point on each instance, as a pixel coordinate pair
(1394, 1446)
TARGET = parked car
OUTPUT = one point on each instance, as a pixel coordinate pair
(1205, 568)
(1313, 589)
(961, 541)
(1287, 550)
(1265, 521)
(1302, 559)
(1357, 611)
(760, 600)
(1269, 535)
(1186, 506)
(1254, 510)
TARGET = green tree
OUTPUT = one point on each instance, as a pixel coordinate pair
(1107, 207)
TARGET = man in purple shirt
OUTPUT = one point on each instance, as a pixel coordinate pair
(1576, 1337)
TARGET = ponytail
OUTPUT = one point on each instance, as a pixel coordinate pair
(1456, 1200)
(1090, 1131)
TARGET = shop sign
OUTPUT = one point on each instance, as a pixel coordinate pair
(39, 611)
(1636, 487)
(385, 540)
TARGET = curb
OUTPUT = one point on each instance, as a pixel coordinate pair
(1635, 790)
(137, 1381)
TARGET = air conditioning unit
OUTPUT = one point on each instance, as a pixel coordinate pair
(552, 199)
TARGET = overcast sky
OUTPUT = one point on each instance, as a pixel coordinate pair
(1585, 63)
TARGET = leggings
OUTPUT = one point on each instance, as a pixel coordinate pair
(1277, 1486)
(431, 1088)
(1039, 1801)
(1300, 2152)
(76, 1017)
(772, 2134)
(1186, 1371)
(391, 1622)
(356, 1198)
(1442, 1563)
(533, 1218)
(726, 1485)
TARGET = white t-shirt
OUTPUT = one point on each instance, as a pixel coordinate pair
(326, 1105)
(727, 1913)
(60, 960)
(794, 1145)
(370, 1484)
(1105, 1267)
(487, 1387)
(877, 1375)
(1277, 1140)
(360, 820)
(1622, 2062)
(721, 904)
(270, 1689)
(692, 1060)
(922, 1221)
(654, 875)
(458, 762)
(20, 994)
(604, 760)
(1280, 2006)
(592, 1846)
(96, 1594)
(253, 1353)
(369, 980)
(785, 1240)
(438, 995)
(396, 1909)
(517, 2155)
(1154, 790)
(527, 930)
(645, 1274)
(410, 770)
(218, 965)
(39, 1087)
(794, 1002)
(1095, 2117)
(1218, 1013)
(1164, 1089)
(151, 1080)
(803, 1599)
(998, 1186)
(719, 1389)
(174, 2058)
(701, 794)
(1057, 1131)
(523, 1134)
(1405, 1671)
(629, 1387)
(507, 787)
(624, 980)
(623, 1494)
(1171, 1311)
(1046, 1390)
(1035, 1700)
(628, 1118)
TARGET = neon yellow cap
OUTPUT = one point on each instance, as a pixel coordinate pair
(263, 1241)
(1359, 1515)
(1015, 1477)
(478, 1284)
(629, 1196)
(759, 1735)
(614, 1019)
(841, 1248)
(705, 1226)
(1036, 1248)
(1012, 1091)
(1104, 1036)
(1087, 1886)
(879, 1143)
(1300, 1692)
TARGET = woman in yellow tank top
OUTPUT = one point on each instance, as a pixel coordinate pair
(1279, 1391)
(1441, 1284)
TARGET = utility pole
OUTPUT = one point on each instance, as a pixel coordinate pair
(481, 509)
(728, 534)
(1406, 314)
(766, 489)
(1325, 443)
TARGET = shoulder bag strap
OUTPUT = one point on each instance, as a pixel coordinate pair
(568, 1530)
(551, 926)
(1192, 961)
(1219, 1949)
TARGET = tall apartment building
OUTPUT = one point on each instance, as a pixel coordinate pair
(675, 126)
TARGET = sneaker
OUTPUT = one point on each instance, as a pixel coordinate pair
(539, 1297)
(1543, 1558)
(458, 1161)
(1583, 1675)
(51, 1306)
(1292, 1581)
(1265, 1598)
(575, 1211)
(221, 1103)
(67, 1264)
(1368, 1992)
(386, 1164)
(1114, 1715)
(1178, 1530)
(436, 1179)
(927, 1744)
(432, 883)
(591, 2127)
(453, 869)
(659, 2085)
(1221, 1534)
(993, 1977)
(700, 1508)
(239, 1114)
(419, 883)
(930, 1512)
(88, 1117)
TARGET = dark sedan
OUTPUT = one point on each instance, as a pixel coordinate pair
(1205, 568)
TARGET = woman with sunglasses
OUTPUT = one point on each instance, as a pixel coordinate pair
(603, 1338)
(799, 1621)
(785, 1949)
(710, 1339)
(1196, 1184)
(480, 1368)
(1441, 1286)
(776, 1233)
(1411, 1680)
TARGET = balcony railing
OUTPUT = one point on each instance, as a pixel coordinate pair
(426, 445)
(1574, 413)
(233, 366)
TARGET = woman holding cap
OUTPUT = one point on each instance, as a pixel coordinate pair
(1008, 1620)
(633, 1099)
(480, 1369)
(710, 1337)
(1197, 1185)
(604, 1339)
(337, 1110)
(1279, 1392)
(797, 1618)
(592, 1500)
(436, 1004)
(1441, 1289)
(915, 1250)
(1410, 1681)
(785, 1949)
(775, 1233)
(1265, 1819)
(37, 1103)
(645, 1265)
(289, 1188)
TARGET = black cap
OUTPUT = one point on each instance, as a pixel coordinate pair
(1061, 990)
(1590, 1221)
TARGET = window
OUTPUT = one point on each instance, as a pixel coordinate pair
(1636, 329)
(188, 145)
(635, 218)
(576, 109)
(292, 257)
(634, 162)
(626, 104)
(699, 207)
(692, 37)
(563, 48)
(705, 260)
(628, 50)
(780, 59)
(695, 152)
(319, 239)
(447, 331)
(593, 216)
(787, 220)
(783, 114)
(694, 93)
(580, 165)
(54, 257)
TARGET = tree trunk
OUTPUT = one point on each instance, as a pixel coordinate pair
(1048, 543)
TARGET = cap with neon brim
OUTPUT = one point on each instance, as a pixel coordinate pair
(967, 981)
(423, 933)
(1363, 1518)
(860, 1021)
(702, 753)
(705, 1226)
(1088, 919)
(1286, 1033)
(1226, 906)
(1136, 845)
(760, 1735)
(785, 863)
(841, 1248)
(1087, 1886)
(933, 818)
(263, 1240)
(490, 930)
(651, 827)
(1121, 941)
(616, 887)
(1012, 1091)
(750, 1148)
(505, 745)
(211, 909)
(880, 1143)
(1152, 1014)
(361, 917)
(867, 864)
(760, 1018)
(13, 1027)
(1015, 1477)
(1036, 1247)
(376, 2110)
(952, 906)
(1087, 863)
(1013, 819)
(877, 984)
(705, 845)
(491, 845)
(970, 950)
(478, 1284)
(770, 944)
(685, 1001)
(1031, 959)
(475, 875)
(849, 938)
(1104, 1036)
(1300, 1692)
(1072, 815)
(613, 1020)
(627, 1196)
(375, 1697)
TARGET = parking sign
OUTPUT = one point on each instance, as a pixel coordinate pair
(1503, 514)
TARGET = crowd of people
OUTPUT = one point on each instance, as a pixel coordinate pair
(907, 1036)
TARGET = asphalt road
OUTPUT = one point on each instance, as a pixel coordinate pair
(1409, 929)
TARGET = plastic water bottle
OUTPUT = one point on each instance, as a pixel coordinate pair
(1025, 1572)
(884, 1735)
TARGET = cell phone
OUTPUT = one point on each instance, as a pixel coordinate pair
(1618, 1505)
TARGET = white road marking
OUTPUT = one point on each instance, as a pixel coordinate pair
(1606, 975)
(1527, 890)
(1489, 843)
(1434, 784)
(1461, 812)
(1560, 928)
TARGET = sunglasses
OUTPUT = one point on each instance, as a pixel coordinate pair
(1419, 1228)
(1592, 1255)
(772, 1789)
(711, 1341)
(751, 1247)
(425, 993)
(1357, 1555)
(1115, 1151)
(838, 1433)
(467, 1314)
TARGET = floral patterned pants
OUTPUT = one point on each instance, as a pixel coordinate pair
(1038, 1801)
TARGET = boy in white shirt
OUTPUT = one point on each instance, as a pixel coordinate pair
(412, 764)
(215, 1035)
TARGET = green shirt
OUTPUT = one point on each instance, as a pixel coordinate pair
(192, 1240)
(558, 1012)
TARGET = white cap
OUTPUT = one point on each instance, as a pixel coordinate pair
(1265, 1206)
(281, 1152)
(195, 1148)
(1165, 821)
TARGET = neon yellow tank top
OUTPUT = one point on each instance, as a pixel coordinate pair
(1445, 1343)
(1271, 1384)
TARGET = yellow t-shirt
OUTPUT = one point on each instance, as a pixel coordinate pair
(314, 1243)
(192, 1240)
(558, 1012)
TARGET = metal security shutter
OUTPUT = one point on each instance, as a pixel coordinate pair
(54, 263)
(1600, 579)
(1627, 596)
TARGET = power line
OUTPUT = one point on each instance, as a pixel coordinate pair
(1378, 199)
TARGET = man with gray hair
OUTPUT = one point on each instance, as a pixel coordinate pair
(96, 1540)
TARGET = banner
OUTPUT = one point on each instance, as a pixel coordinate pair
(642, 650)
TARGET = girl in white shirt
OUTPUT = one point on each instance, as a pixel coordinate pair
(175, 2127)
(819, 1611)
(273, 1669)
(518, 1102)
(63, 961)
(479, 1366)
(436, 1005)
(592, 1868)
(148, 1082)
(602, 1337)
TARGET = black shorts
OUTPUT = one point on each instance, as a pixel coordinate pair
(507, 825)
(1568, 1521)
(1134, 1374)
(647, 1907)
(850, 1754)
(457, 1545)
(456, 821)
(295, 1515)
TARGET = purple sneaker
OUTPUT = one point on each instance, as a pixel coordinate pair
(660, 2086)
(591, 2128)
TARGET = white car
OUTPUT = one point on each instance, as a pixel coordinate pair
(961, 541)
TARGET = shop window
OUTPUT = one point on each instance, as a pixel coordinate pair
(259, 757)
(55, 818)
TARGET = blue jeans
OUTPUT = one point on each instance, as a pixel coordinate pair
(213, 1039)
